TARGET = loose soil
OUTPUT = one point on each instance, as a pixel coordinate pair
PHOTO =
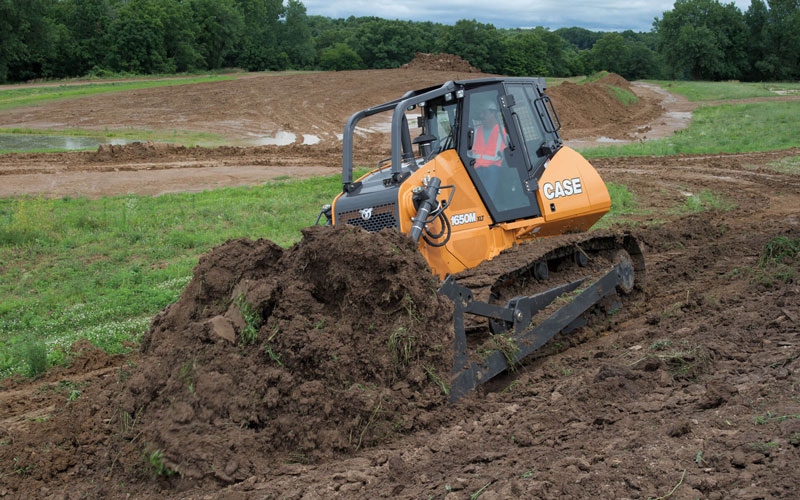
(693, 386)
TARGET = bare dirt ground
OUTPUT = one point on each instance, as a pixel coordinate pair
(690, 391)
(249, 108)
(694, 384)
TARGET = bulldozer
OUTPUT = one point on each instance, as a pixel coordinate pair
(499, 208)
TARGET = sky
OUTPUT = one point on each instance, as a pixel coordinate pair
(609, 15)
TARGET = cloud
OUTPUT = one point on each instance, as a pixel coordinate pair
(609, 15)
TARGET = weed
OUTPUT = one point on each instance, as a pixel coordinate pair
(478, 493)
(187, 375)
(528, 474)
(431, 372)
(401, 346)
(157, 465)
(36, 359)
(625, 96)
(683, 475)
(253, 321)
(788, 165)
(74, 395)
(779, 249)
(508, 347)
(660, 345)
(706, 200)
(268, 346)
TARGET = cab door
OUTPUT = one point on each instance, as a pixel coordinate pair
(489, 148)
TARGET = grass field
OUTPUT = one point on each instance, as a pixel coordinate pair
(729, 128)
(100, 269)
(706, 91)
(13, 97)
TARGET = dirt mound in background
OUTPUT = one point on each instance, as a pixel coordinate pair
(332, 345)
(134, 150)
(440, 62)
(615, 80)
(592, 109)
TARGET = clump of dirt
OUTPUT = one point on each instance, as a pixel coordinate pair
(333, 345)
(440, 62)
(134, 150)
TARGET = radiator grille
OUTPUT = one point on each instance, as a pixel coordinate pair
(382, 216)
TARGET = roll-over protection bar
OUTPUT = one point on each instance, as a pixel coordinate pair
(401, 138)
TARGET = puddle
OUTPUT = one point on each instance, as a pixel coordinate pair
(310, 139)
(282, 138)
(21, 142)
(608, 139)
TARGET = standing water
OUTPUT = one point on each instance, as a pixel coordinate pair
(21, 142)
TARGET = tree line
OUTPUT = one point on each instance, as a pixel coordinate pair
(697, 39)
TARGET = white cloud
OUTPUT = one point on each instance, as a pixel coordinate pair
(609, 15)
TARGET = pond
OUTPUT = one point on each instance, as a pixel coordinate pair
(23, 142)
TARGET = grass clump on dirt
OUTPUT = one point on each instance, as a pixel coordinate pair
(788, 165)
(623, 203)
(100, 269)
(730, 128)
(778, 260)
(16, 97)
(706, 200)
(625, 96)
(706, 91)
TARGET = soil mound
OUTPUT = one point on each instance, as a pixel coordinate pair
(592, 106)
(615, 80)
(440, 62)
(134, 150)
(332, 345)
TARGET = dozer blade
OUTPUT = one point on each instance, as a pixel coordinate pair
(526, 338)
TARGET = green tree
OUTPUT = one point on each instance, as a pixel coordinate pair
(703, 40)
(480, 44)
(525, 55)
(297, 42)
(219, 27)
(386, 44)
(259, 42)
(137, 39)
(339, 57)
(27, 38)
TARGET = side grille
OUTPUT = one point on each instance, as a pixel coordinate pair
(382, 216)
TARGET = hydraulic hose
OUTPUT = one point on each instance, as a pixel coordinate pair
(428, 201)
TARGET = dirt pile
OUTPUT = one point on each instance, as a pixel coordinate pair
(135, 150)
(332, 345)
(440, 62)
(615, 80)
(593, 107)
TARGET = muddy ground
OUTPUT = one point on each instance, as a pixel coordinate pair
(690, 391)
(253, 106)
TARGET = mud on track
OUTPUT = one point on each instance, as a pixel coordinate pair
(694, 386)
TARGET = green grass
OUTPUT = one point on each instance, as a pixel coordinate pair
(787, 165)
(14, 97)
(625, 96)
(622, 203)
(100, 269)
(706, 200)
(706, 91)
(177, 136)
(593, 77)
(729, 128)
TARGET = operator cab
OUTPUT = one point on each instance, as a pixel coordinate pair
(501, 157)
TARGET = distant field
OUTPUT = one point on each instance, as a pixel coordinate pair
(18, 96)
(707, 91)
(728, 128)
